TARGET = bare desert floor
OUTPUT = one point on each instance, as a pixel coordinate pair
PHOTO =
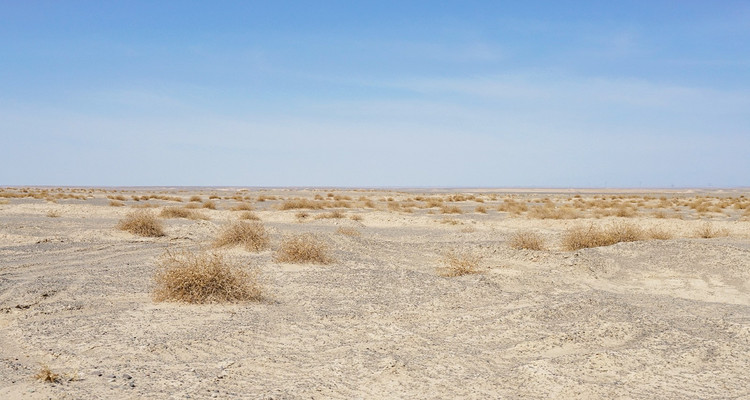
(665, 316)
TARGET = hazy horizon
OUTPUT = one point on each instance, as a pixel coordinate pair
(381, 95)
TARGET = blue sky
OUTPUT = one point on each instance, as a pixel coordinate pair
(381, 93)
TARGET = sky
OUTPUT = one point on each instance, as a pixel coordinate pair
(375, 93)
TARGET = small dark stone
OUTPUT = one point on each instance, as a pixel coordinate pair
(126, 376)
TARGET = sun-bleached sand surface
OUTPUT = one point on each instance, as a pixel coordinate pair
(649, 319)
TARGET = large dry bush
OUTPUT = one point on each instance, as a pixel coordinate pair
(205, 278)
(707, 231)
(142, 223)
(249, 215)
(513, 207)
(242, 207)
(581, 237)
(331, 215)
(659, 233)
(304, 248)
(457, 263)
(549, 211)
(527, 240)
(181, 212)
(293, 204)
(451, 210)
(251, 235)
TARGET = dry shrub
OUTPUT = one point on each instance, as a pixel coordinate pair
(204, 278)
(431, 202)
(348, 231)
(356, 217)
(302, 215)
(450, 221)
(459, 263)
(145, 205)
(242, 207)
(481, 209)
(210, 204)
(708, 231)
(53, 213)
(293, 204)
(181, 212)
(527, 240)
(626, 212)
(369, 204)
(394, 206)
(451, 210)
(196, 198)
(116, 203)
(142, 223)
(552, 212)
(513, 207)
(46, 375)
(331, 215)
(659, 233)
(584, 237)
(339, 204)
(249, 215)
(304, 248)
(251, 235)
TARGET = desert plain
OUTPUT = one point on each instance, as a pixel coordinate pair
(426, 294)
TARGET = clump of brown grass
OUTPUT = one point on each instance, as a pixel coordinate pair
(581, 237)
(451, 210)
(249, 215)
(45, 374)
(242, 207)
(145, 205)
(450, 221)
(527, 240)
(708, 231)
(550, 211)
(142, 223)
(304, 248)
(205, 278)
(348, 231)
(331, 215)
(251, 235)
(513, 207)
(196, 198)
(293, 204)
(659, 233)
(210, 204)
(302, 216)
(481, 209)
(356, 217)
(53, 213)
(459, 263)
(116, 203)
(181, 212)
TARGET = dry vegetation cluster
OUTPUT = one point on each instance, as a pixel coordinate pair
(210, 277)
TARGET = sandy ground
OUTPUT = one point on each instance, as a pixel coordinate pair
(649, 319)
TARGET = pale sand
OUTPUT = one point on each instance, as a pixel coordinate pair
(650, 319)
